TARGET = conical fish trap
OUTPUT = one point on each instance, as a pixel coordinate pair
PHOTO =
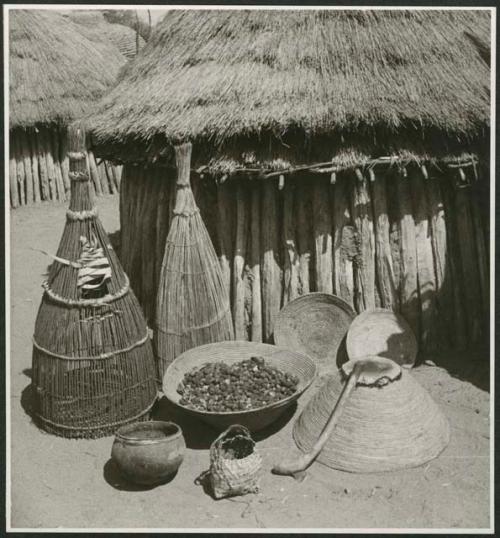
(380, 429)
(93, 363)
(192, 304)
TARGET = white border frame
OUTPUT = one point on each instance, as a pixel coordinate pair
(6, 9)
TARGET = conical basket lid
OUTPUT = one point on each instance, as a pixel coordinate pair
(381, 429)
(384, 333)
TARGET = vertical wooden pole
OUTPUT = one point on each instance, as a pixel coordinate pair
(470, 269)
(429, 328)
(383, 256)
(482, 257)
(49, 159)
(42, 166)
(63, 156)
(303, 208)
(21, 176)
(453, 266)
(225, 228)
(25, 153)
(240, 331)
(271, 272)
(344, 249)
(256, 325)
(57, 164)
(364, 272)
(14, 192)
(322, 235)
(94, 174)
(410, 301)
(34, 167)
(444, 284)
(291, 255)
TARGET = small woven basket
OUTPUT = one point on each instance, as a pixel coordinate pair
(235, 465)
(315, 325)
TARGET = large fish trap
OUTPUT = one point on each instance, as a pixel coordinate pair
(93, 363)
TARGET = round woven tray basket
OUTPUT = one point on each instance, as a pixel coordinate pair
(315, 325)
(383, 333)
(381, 429)
(230, 352)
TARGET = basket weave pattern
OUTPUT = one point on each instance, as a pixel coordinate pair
(93, 364)
(381, 429)
(231, 477)
(231, 352)
(314, 324)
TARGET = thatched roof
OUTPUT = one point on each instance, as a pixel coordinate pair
(352, 79)
(56, 73)
(97, 27)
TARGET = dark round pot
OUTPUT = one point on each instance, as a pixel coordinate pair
(148, 453)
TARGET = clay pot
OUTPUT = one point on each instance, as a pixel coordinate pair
(148, 453)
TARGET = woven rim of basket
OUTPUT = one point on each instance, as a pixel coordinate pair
(101, 356)
(96, 427)
(359, 344)
(297, 310)
(380, 429)
(300, 365)
(109, 298)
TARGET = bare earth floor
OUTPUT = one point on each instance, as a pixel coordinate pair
(72, 484)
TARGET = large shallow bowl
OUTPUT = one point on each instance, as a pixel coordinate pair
(235, 351)
(315, 325)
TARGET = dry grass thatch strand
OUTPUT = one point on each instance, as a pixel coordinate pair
(56, 72)
(93, 365)
(192, 304)
(219, 75)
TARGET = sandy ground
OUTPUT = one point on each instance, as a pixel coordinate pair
(72, 484)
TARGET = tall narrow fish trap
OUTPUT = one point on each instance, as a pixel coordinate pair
(93, 363)
(192, 303)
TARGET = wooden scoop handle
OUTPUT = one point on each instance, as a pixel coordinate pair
(297, 467)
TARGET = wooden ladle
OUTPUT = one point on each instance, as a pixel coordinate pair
(369, 371)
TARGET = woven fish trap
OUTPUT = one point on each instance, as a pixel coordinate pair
(93, 367)
(315, 325)
(385, 428)
(192, 304)
(235, 465)
(384, 333)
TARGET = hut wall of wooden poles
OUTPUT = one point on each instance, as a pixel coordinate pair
(38, 167)
(408, 239)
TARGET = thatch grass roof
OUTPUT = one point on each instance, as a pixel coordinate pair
(97, 27)
(351, 78)
(56, 73)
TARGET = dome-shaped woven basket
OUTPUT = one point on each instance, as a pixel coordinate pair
(231, 352)
(383, 333)
(315, 325)
(380, 429)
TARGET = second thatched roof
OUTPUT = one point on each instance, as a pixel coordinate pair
(357, 79)
(56, 73)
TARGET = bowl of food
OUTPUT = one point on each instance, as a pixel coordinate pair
(237, 382)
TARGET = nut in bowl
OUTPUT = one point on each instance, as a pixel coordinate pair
(148, 453)
(235, 382)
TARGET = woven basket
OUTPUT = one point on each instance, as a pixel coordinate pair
(93, 363)
(315, 325)
(229, 476)
(381, 429)
(235, 351)
(384, 333)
